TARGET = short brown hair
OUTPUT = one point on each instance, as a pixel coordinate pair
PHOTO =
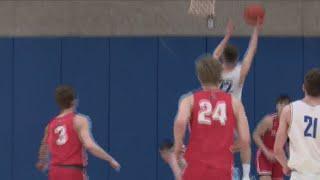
(208, 70)
(312, 82)
(230, 54)
(65, 96)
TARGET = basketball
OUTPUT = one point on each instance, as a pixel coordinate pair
(252, 13)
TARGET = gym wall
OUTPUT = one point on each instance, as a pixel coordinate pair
(130, 87)
(150, 17)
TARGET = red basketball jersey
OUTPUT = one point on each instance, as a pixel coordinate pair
(269, 137)
(64, 144)
(212, 129)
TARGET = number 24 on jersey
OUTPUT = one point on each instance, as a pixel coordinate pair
(217, 114)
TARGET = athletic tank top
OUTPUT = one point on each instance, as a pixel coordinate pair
(231, 82)
(64, 144)
(212, 129)
(304, 136)
(270, 136)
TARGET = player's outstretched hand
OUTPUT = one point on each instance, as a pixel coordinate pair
(115, 165)
(230, 27)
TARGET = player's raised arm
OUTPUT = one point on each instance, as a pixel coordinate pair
(219, 49)
(82, 126)
(181, 122)
(249, 56)
(43, 154)
(264, 126)
(281, 138)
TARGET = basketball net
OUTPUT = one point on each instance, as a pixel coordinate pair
(204, 8)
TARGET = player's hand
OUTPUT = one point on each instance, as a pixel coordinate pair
(183, 149)
(179, 151)
(41, 166)
(270, 156)
(115, 165)
(230, 27)
(236, 147)
(286, 171)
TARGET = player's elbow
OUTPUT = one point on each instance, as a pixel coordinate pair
(88, 145)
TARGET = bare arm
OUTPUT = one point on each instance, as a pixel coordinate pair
(220, 48)
(248, 58)
(242, 126)
(282, 136)
(181, 122)
(43, 154)
(177, 172)
(82, 126)
(264, 126)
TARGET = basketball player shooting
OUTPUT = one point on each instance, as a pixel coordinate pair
(299, 122)
(264, 136)
(235, 73)
(213, 116)
(66, 138)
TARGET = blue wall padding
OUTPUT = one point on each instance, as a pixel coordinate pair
(133, 106)
(6, 106)
(36, 74)
(130, 87)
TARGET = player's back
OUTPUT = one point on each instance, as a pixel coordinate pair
(304, 138)
(231, 82)
(64, 144)
(212, 129)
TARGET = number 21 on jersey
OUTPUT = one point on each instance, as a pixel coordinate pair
(312, 125)
(207, 114)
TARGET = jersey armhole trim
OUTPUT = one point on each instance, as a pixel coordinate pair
(290, 120)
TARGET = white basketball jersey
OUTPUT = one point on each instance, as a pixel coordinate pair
(304, 136)
(231, 82)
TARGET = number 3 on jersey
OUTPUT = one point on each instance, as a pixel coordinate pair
(217, 114)
(63, 137)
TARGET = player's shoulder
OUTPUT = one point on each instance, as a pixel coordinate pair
(269, 117)
(272, 115)
(186, 97)
(297, 103)
(82, 118)
(238, 67)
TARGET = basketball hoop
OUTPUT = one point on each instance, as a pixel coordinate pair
(203, 8)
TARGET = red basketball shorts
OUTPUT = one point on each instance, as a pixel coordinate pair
(267, 168)
(63, 173)
(196, 170)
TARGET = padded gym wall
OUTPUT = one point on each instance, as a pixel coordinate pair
(130, 87)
